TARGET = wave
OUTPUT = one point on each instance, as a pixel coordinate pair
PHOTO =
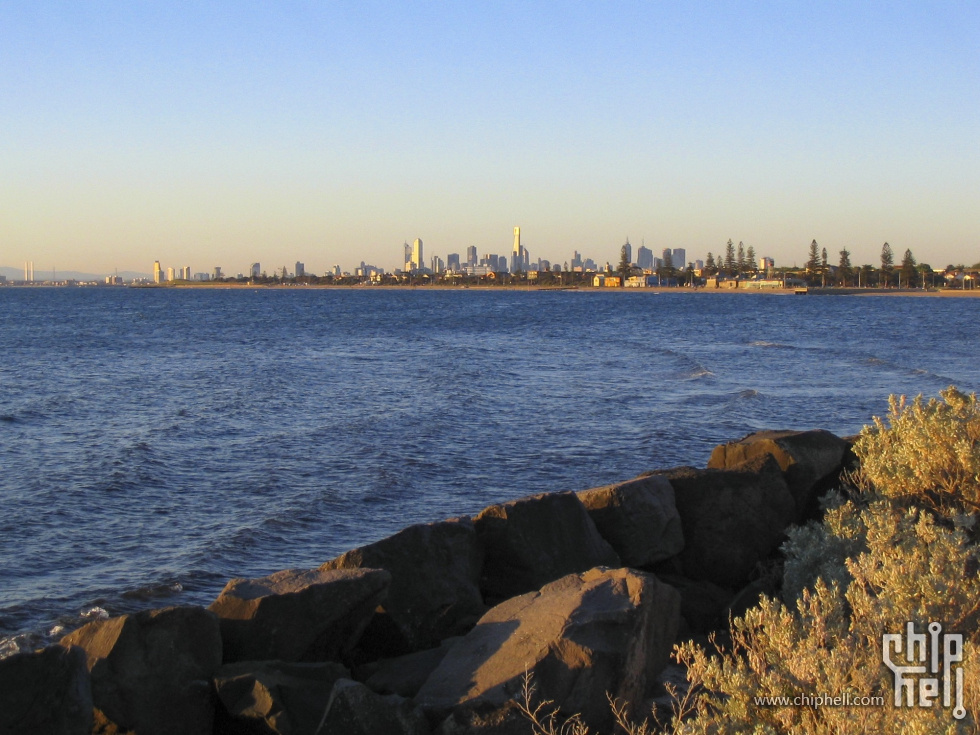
(771, 345)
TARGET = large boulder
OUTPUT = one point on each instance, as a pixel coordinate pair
(535, 540)
(46, 691)
(356, 710)
(732, 519)
(811, 461)
(151, 671)
(435, 584)
(638, 518)
(274, 697)
(298, 615)
(604, 630)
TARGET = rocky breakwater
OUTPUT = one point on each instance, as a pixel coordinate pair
(434, 629)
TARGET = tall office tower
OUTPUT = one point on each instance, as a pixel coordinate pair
(436, 264)
(187, 273)
(471, 255)
(217, 273)
(668, 256)
(629, 251)
(157, 272)
(300, 269)
(407, 260)
(29, 271)
(516, 257)
(336, 270)
(170, 274)
(417, 259)
(255, 270)
(680, 258)
(452, 263)
(644, 258)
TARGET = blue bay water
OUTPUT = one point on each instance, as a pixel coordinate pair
(155, 442)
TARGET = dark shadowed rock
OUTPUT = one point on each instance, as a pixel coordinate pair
(535, 540)
(274, 697)
(404, 675)
(356, 710)
(605, 630)
(435, 583)
(638, 518)
(703, 604)
(298, 615)
(732, 518)
(151, 671)
(47, 691)
(811, 461)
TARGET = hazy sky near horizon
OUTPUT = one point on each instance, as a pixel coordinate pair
(223, 133)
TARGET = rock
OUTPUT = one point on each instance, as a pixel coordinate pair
(638, 518)
(703, 604)
(435, 583)
(732, 518)
(604, 630)
(405, 675)
(274, 697)
(151, 671)
(46, 691)
(811, 461)
(535, 540)
(298, 615)
(356, 710)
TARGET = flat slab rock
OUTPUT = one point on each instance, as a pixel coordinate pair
(298, 615)
(604, 630)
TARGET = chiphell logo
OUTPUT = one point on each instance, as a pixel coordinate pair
(928, 668)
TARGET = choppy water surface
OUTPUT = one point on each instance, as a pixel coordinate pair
(154, 443)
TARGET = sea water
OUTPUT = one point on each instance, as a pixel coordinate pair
(156, 442)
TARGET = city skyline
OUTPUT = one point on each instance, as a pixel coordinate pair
(236, 133)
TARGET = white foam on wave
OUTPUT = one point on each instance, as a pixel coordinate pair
(95, 613)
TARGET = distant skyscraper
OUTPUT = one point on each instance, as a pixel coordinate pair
(408, 256)
(336, 270)
(255, 270)
(170, 274)
(436, 264)
(516, 258)
(300, 269)
(644, 258)
(629, 251)
(157, 272)
(680, 258)
(471, 255)
(417, 258)
(452, 263)
(217, 273)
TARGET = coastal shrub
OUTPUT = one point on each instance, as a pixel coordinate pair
(924, 452)
(830, 643)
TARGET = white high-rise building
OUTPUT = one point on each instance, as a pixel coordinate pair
(157, 272)
(516, 257)
(300, 269)
(171, 274)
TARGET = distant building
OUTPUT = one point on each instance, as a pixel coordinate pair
(217, 273)
(766, 264)
(110, 280)
(300, 269)
(680, 258)
(437, 264)
(471, 255)
(171, 274)
(644, 258)
(452, 263)
(629, 251)
(255, 270)
(336, 271)
(157, 272)
(418, 260)
(202, 277)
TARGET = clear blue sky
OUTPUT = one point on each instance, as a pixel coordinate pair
(223, 133)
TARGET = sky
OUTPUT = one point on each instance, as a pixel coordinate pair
(225, 133)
